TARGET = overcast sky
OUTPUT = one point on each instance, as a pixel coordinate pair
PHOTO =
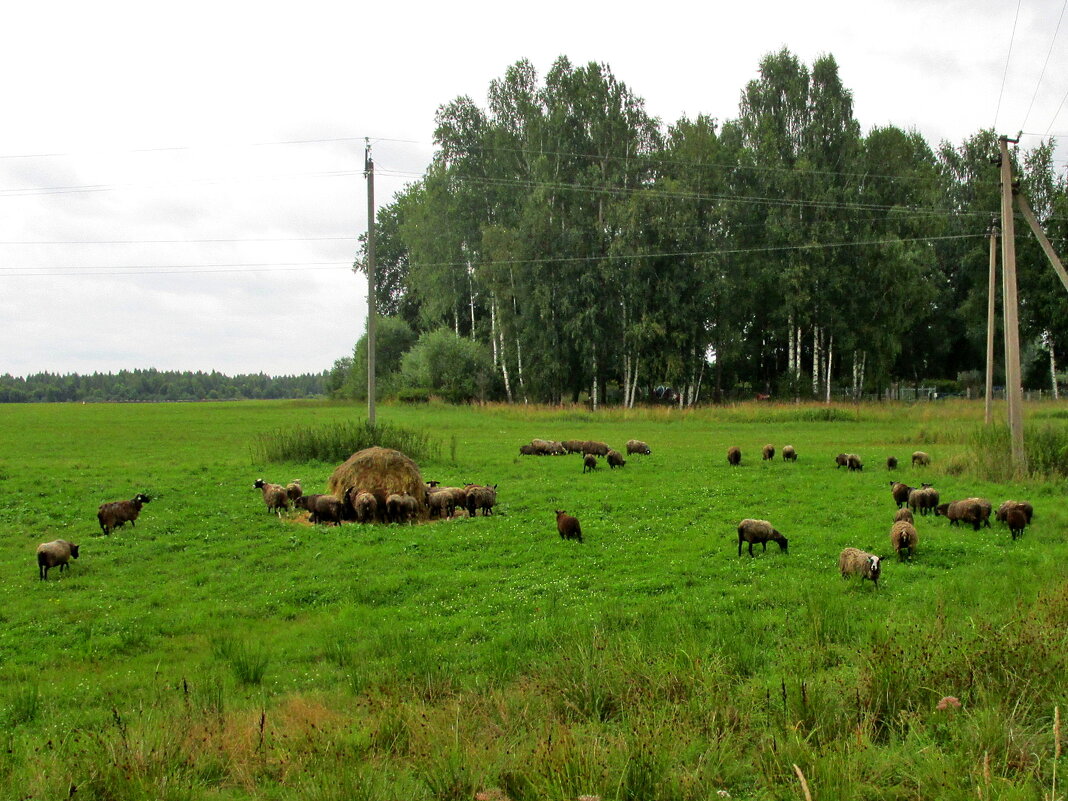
(149, 216)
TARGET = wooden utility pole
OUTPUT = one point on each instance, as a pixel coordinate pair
(992, 288)
(369, 174)
(1013, 383)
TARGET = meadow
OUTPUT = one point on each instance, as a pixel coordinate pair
(215, 651)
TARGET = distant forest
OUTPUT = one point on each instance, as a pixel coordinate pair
(157, 385)
(589, 249)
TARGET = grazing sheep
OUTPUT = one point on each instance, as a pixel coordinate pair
(891, 463)
(985, 508)
(767, 452)
(364, 505)
(615, 459)
(923, 499)
(401, 508)
(322, 508)
(53, 554)
(734, 455)
(594, 447)
(855, 562)
(753, 531)
(841, 460)
(1017, 521)
(853, 462)
(1023, 506)
(274, 496)
(117, 513)
(573, 445)
(789, 454)
(294, 490)
(480, 497)
(568, 526)
(444, 500)
(967, 510)
(903, 537)
(904, 514)
(589, 463)
(542, 447)
(637, 446)
(527, 450)
(920, 458)
(901, 492)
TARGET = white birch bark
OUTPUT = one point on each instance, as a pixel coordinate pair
(830, 354)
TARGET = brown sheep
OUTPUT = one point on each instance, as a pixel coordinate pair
(924, 499)
(322, 508)
(891, 463)
(900, 491)
(294, 490)
(920, 458)
(1017, 521)
(789, 454)
(573, 445)
(1023, 506)
(637, 446)
(734, 456)
(594, 447)
(274, 496)
(364, 505)
(855, 562)
(967, 510)
(853, 462)
(568, 526)
(759, 531)
(615, 459)
(985, 508)
(480, 497)
(767, 452)
(904, 514)
(53, 554)
(527, 450)
(903, 538)
(116, 513)
(841, 460)
(401, 508)
(589, 463)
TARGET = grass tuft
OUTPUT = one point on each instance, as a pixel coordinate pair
(338, 441)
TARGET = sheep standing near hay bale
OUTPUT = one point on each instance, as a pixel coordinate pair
(891, 463)
(322, 508)
(920, 458)
(381, 472)
(401, 508)
(855, 562)
(480, 497)
(294, 490)
(589, 463)
(568, 526)
(758, 531)
(117, 513)
(767, 452)
(615, 459)
(57, 553)
(1023, 506)
(734, 456)
(364, 505)
(274, 496)
(637, 446)
(903, 537)
(789, 454)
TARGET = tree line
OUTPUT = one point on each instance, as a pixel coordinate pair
(585, 248)
(157, 385)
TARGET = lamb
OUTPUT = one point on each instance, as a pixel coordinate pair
(855, 562)
(594, 447)
(480, 497)
(853, 462)
(568, 526)
(1023, 506)
(294, 490)
(789, 454)
(637, 446)
(734, 455)
(891, 463)
(901, 492)
(322, 508)
(364, 505)
(401, 508)
(841, 460)
(753, 531)
(923, 499)
(767, 452)
(920, 458)
(117, 513)
(904, 514)
(615, 459)
(274, 496)
(1016, 519)
(903, 538)
(589, 463)
(53, 554)
(967, 510)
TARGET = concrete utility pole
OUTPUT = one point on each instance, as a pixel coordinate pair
(369, 174)
(992, 288)
(1013, 381)
(1047, 248)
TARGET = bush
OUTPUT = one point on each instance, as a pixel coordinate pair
(456, 369)
(348, 379)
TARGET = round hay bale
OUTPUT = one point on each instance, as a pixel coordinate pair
(382, 472)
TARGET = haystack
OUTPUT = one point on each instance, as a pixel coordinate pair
(380, 471)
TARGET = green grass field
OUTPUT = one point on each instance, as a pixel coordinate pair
(215, 651)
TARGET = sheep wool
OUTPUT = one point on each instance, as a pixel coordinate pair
(855, 562)
(921, 459)
(637, 446)
(117, 513)
(57, 553)
(901, 493)
(568, 526)
(1017, 521)
(891, 463)
(904, 514)
(903, 538)
(1023, 506)
(615, 459)
(589, 463)
(759, 532)
(789, 454)
(767, 452)
(734, 456)
(274, 496)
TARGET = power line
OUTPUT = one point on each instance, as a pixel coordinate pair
(1045, 63)
(1008, 57)
(66, 190)
(1056, 113)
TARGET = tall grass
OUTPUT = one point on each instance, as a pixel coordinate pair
(988, 450)
(338, 441)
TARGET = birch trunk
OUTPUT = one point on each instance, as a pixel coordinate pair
(593, 394)
(519, 368)
(634, 385)
(791, 364)
(471, 296)
(816, 358)
(1052, 366)
(830, 354)
(493, 329)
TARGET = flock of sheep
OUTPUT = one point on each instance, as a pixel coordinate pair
(443, 502)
